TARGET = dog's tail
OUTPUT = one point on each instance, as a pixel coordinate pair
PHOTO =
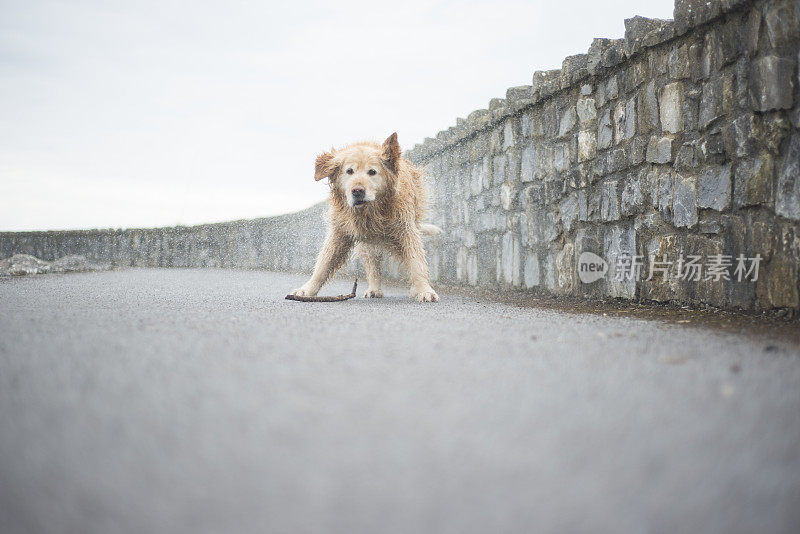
(429, 230)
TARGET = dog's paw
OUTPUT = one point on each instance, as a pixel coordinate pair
(373, 294)
(304, 292)
(425, 295)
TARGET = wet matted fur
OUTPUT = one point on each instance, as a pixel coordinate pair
(376, 205)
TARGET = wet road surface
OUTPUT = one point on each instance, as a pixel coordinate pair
(201, 401)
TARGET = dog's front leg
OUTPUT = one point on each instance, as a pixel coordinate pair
(373, 258)
(413, 256)
(333, 254)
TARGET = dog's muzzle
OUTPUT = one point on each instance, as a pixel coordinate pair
(359, 194)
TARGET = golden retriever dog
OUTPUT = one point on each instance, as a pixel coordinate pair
(377, 204)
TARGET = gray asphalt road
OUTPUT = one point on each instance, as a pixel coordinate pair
(201, 401)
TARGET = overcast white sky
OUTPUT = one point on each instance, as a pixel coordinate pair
(149, 113)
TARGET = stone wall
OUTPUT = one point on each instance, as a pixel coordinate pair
(680, 140)
(283, 243)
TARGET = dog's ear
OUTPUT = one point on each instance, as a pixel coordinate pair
(324, 167)
(390, 151)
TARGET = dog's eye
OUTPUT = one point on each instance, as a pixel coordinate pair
(349, 171)
(372, 172)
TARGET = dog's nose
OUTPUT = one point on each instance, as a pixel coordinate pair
(358, 193)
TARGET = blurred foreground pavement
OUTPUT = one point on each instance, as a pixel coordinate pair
(201, 401)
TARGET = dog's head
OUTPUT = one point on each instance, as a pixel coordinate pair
(361, 172)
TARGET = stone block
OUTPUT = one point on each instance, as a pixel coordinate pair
(659, 64)
(496, 103)
(519, 97)
(672, 98)
(527, 164)
(678, 62)
(647, 108)
(594, 60)
(488, 252)
(618, 159)
(695, 65)
(629, 129)
(687, 157)
(642, 31)
(619, 122)
(486, 172)
(499, 169)
(710, 291)
(787, 202)
(684, 202)
(750, 33)
(739, 136)
(508, 196)
(544, 226)
(495, 143)
(710, 103)
(532, 124)
(568, 121)
(532, 278)
(508, 134)
(573, 68)
(587, 145)
(771, 130)
(619, 241)
(512, 166)
(782, 22)
(477, 119)
(761, 239)
(771, 83)
(780, 284)
(569, 211)
(553, 189)
(461, 264)
(709, 224)
(605, 130)
(777, 284)
(471, 181)
(603, 54)
(472, 268)
(511, 259)
(663, 194)
(565, 270)
(587, 111)
(632, 198)
(545, 83)
(794, 117)
(583, 206)
(691, 13)
(659, 150)
(725, 43)
(634, 75)
(637, 150)
(712, 144)
(612, 88)
(550, 118)
(714, 190)
(532, 196)
(609, 204)
(754, 180)
(600, 95)
(560, 157)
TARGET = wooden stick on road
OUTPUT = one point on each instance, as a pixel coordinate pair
(338, 298)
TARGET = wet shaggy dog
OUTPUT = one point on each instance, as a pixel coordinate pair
(377, 204)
